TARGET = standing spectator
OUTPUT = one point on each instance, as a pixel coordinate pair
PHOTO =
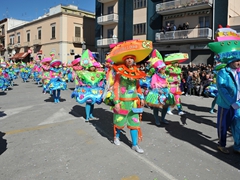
(204, 83)
(189, 83)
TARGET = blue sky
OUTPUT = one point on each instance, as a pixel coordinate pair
(28, 10)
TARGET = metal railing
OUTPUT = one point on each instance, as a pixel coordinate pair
(107, 41)
(78, 40)
(17, 45)
(108, 18)
(181, 34)
(180, 4)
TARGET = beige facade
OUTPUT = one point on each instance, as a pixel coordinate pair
(61, 31)
(140, 17)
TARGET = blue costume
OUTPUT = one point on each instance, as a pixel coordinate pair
(228, 85)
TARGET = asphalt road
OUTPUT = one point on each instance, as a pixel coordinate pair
(43, 140)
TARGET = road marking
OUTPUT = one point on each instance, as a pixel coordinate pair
(60, 116)
(145, 160)
(10, 112)
(17, 131)
(131, 178)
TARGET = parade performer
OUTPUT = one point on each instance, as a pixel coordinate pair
(4, 77)
(159, 95)
(56, 84)
(89, 83)
(227, 49)
(211, 90)
(37, 72)
(45, 65)
(127, 93)
(25, 72)
(174, 77)
(64, 72)
(76, 68)
(12, 74)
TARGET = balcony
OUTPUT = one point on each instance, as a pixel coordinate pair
(18, 45)
(10, 46)
(180, 36)
(108, 19)
(37, 42)
(106, 42)
(78, 40)
(179, 6)
(26, 44)
(105, 1)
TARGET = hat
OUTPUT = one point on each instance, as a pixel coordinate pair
(55, 62)
(226, 45)
(175, 57)
(156, 61)
(87, 59)
(46, 60)
(76, 61)
(139, 49)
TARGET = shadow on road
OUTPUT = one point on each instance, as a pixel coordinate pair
(201, 141)
(3, 143)
(50, 99)
(2, 93)
(104, 125)
(2, 114)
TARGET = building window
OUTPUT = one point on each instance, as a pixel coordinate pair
(77, 32)
(53, 26)
(110, 10)
(18, 38)
(137, 4)
(110, 33)
(139, 29)
(28, 36)
(204, 22)
(11, 39)
(39, 33)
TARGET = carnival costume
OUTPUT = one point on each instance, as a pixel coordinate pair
(56, 84)
(25, 72)
(89, 84)
(4, 77)
(12, 74)
(173, 76)
(37, 72)
(127, 94)
(159, 95)
(45, 65)
(227, 49)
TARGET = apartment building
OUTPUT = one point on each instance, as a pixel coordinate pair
(64, 30)
(118, 21)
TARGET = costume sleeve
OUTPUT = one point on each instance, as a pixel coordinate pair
(223, 90)
(116, 88)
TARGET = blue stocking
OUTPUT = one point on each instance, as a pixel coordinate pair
(168, 109)
(88, 109)
(164, 112)
(134, 135)
(179, 106)
(213, 103)
(155, 113)
(58, 95)
(54, 96)
(91, 111)
(118, 133)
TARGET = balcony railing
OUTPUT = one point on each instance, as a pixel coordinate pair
(26, 44)
(37, 42)
(106, 42)
(105, 1)
(10, 46)
(17, 45)
(182, 6)
(108, 19)
(184, 35)
(79, 40)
